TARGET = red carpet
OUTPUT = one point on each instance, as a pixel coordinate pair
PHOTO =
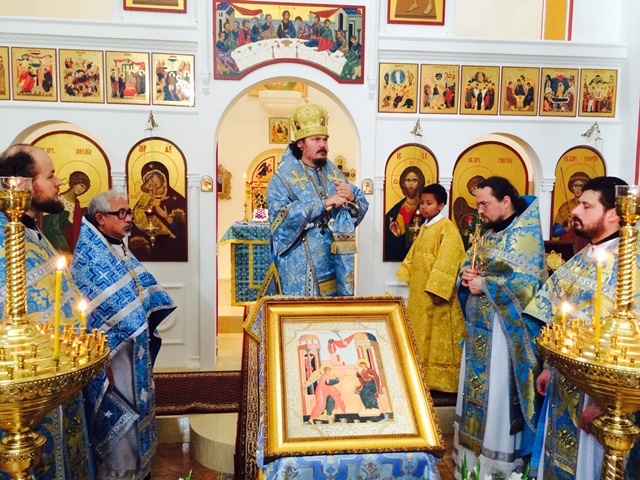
(197, 392)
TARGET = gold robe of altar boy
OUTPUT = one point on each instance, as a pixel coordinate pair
(431, 270)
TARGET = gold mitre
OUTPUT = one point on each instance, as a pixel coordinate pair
(308, 120)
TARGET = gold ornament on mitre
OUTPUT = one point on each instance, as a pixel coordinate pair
(308, 120)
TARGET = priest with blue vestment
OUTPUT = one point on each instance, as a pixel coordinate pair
(315, 211)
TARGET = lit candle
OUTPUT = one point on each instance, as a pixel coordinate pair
(565, 307)
(600, 256)
(83, 312)
(56, 315)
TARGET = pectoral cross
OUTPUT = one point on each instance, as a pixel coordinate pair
(324, 222)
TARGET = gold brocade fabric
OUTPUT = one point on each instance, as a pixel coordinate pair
(431, 269)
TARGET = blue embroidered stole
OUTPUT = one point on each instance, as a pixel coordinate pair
(123, 297)
(513, 269)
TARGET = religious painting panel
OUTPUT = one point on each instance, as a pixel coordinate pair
(558, 92)
(85, 171)
(279, 130)
(173, 82)
(479, 91)
(168, 6)
(439, 88)
(284, 85)
(5, 82)
(128, 81)
(575, 167)
(259, 173)
(419, 12)
(409, 169)
(34, 74)
(81, 76)
(342, 377)
(475, 164)
(398, 88)
(519, 91)
(598, 93)
(157, 189)
(250, 35)
(223, 183)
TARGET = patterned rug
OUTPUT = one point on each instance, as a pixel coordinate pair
(197, 392)
(247, 439)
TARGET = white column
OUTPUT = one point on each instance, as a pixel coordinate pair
(193, 316)
(119, 182)
(446, 183)
(546, 189)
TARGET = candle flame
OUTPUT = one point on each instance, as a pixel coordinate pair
(601, 255)
(62, 262)
(565, 307)
(82, 305)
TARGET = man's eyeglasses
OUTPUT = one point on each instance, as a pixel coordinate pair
(122, 213)
(484, 205)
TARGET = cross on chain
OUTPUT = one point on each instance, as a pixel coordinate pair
(323, 224)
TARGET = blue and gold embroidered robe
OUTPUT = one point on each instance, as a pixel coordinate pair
(68, 455)
(127, 304)
(311, 262)
(513, 269)
(575, 283)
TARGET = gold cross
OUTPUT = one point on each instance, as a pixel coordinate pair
(298, 180)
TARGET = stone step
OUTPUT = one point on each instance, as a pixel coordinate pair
(212, 438)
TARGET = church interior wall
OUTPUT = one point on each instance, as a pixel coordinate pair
(227, 119)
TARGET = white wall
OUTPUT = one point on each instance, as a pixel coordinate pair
(358, 132)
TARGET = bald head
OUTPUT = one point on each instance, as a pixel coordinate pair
(19, 161)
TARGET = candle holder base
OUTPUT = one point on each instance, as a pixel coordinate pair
(617, 434)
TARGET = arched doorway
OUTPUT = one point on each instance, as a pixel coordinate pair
(245, 139)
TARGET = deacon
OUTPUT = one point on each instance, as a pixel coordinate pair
(569, 450)
(314, 212)
(66, 453)
(495, 411)
(127, 304)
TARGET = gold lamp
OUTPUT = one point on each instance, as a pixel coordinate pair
(150, 227)
(604, 360)
(36, 373)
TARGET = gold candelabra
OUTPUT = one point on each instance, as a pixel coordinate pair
(603, 360)
(36, 373)
(248, 201)
(150, 228)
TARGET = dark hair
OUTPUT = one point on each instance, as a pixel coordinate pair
(437, 191)
(78, 178)
(18, 161)
(407, 171)
(295, 150)
(606, 187)
(501, 187)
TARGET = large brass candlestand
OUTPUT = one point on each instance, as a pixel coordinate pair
(606, 364)
(34, 377)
